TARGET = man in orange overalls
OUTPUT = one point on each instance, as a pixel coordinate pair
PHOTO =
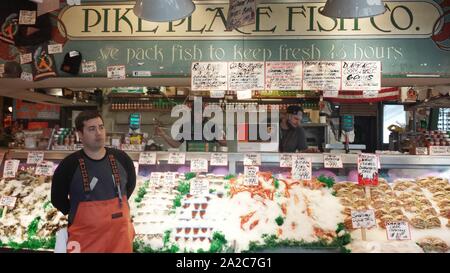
(92, 186)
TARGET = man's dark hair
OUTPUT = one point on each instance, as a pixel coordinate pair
(84, 116)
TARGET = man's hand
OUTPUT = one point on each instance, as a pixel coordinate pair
(159, 131)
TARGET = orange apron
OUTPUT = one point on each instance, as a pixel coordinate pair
(101, 226)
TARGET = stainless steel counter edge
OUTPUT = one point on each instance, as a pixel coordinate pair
(386, 160)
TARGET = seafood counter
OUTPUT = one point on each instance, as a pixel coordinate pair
(272, 213)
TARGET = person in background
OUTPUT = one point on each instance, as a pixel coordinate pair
(292, 136)
(92, 186)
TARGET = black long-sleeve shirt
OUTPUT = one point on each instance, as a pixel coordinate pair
(67, 183)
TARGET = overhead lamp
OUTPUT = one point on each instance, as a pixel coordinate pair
(353, 8)
(163, 10)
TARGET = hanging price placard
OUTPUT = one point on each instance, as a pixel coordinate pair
(88, 67)
(177, 158)
(199, 165)
(35, 157)
(147, 158)
(333, 161)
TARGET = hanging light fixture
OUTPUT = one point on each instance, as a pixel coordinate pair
(353, 8)
(163, 10)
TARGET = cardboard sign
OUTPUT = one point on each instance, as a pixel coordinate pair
(321, 75)
(368, 94)
(332, 161)
(199, 165)
(199, 186)
(218, 94)
(35, 157)
(177, 158)
(116, 72)
(245, 75)
(219, 159)
(361, 75)
(27, 17)
(301, 168)
(170, 179)
(26, 76)
(26, 58)
(244, 94)
(241, 13)
(363, 218)
(438, 150)
(368, 169)
(251, 175)
(209, 76)
(285, 160)
(89, 67)
(398, 230)
(331, 93)
(421, 151)
(8, 201)
(252, 160)
(44, 168)
(10, 168)
(147, 158)
(55, 48)
(284, 75)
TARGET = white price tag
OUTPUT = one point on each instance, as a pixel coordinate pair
(35, 157)
(170, 179)
(438, 150)
(26, 58)
(26, 76)
(8, 201)
(155, 178)
(199, 186)
(147, 158)
(219, 159)
(331, 93)
(199, 165)
(218, 94)
(301, 168)
(116, 72)
(244, 94)
(89, 67)
(73, 53)
(398, 230)
(142, 73)
(55, 48)
(285, 160)
(44, 168)
(252, 160)
(10, 168)
(363, 218)
(27, 17)
(370, 94)
(177, 158)
(251, 175)
(332, 161)
(421, 151)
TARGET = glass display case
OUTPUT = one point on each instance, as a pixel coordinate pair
(232, 208)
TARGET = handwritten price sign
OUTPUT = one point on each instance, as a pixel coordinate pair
(398, 230)
(332, 161)
(363, 218)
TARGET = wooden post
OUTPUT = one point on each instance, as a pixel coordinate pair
(5, 209)
(367, 192)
